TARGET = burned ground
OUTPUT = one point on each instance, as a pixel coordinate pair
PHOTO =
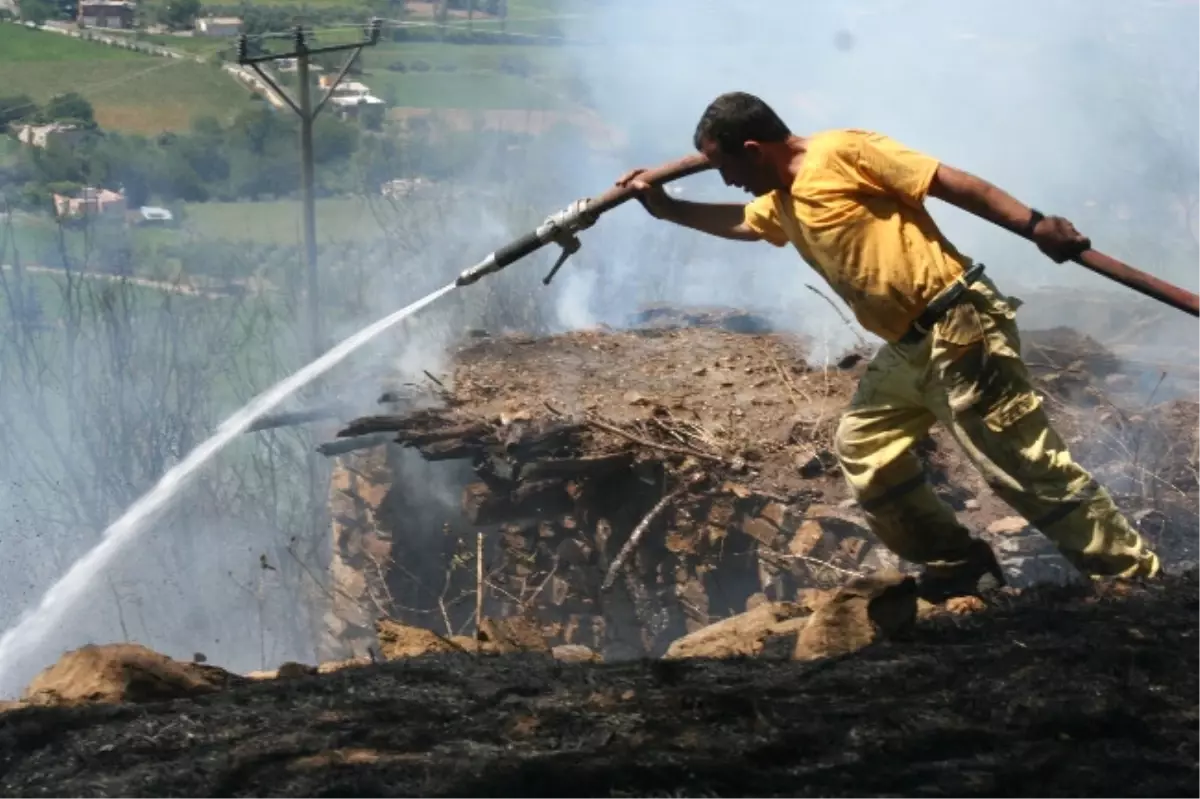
(1046, 694)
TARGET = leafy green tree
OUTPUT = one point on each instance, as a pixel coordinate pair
(17, 108)
(333, 139)
(371, 117)
(179, 14)
(38, 11)
(70, 106)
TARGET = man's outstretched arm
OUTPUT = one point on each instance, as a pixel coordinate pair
(725, 220)
(1054, 236)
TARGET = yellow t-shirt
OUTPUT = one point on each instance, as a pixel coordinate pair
(856, 215)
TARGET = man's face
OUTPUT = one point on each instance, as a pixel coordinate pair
(747, 169)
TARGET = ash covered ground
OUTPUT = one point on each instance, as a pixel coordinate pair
(1045, 690)
(1044, 694)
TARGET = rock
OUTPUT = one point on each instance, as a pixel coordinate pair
(972, 504)
(963, 605)
(331, 666)
(755, 600)
(816, 464)
(515, 634)
(575, 653)
(397, 641)
(1009, 525)
(776, 513)
(808, 536)
(292, 670)
(123, 673)
(468, 644)
(812, 598)
(859, 613)
(761, 530)
(744, 635)
(7, 705)
(700, 371)
(850, 360)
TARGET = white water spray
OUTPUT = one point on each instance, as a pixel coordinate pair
(39, 622)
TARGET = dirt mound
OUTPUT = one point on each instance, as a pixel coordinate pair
(1047, 693)
(123, 673)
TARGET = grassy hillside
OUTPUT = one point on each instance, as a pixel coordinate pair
(338, 220)
(130, 91)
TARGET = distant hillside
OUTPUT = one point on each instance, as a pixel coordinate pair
(130, 91)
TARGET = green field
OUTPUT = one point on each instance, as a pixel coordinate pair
(338, 221)
(194, 45)
(462, 90)
(539, 58)
(278, 222)
(130, 91)
(475, 76)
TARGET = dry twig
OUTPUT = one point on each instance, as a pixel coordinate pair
(478, 585)
(822, 563)
(611, 428)
(794, 393)
(637, 534)
(862, 341)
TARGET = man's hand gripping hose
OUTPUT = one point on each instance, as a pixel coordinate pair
(560, 228)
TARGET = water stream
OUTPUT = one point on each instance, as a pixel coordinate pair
(23, 638)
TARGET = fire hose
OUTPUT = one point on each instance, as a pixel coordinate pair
(561, 229)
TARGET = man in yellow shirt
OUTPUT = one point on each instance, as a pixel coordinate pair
(852, 203)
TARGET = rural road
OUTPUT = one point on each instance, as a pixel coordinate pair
(145, 282)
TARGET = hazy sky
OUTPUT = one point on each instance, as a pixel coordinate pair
(1083, 108)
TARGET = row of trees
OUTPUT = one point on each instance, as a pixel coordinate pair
(70, 107)
(253, 157)
(174, 14)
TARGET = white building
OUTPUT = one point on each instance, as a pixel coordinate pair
(219, 26)
(41, 135)
(352, 93)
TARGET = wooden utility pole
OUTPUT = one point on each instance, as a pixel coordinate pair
(307, 113)
(304, 109)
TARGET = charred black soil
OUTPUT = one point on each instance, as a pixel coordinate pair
(1046, 693)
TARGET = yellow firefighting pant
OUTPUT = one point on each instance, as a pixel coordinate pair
(968, 375)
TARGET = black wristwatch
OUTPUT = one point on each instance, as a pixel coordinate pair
(1035, 216)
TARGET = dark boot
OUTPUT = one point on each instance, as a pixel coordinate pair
(977, 573)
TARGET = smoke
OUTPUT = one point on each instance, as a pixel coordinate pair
(1091, 114)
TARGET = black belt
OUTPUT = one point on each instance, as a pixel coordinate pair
(940, 305)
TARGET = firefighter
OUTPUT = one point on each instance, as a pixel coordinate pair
(853, 204)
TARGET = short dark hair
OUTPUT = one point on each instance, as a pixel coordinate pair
(737, 117)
